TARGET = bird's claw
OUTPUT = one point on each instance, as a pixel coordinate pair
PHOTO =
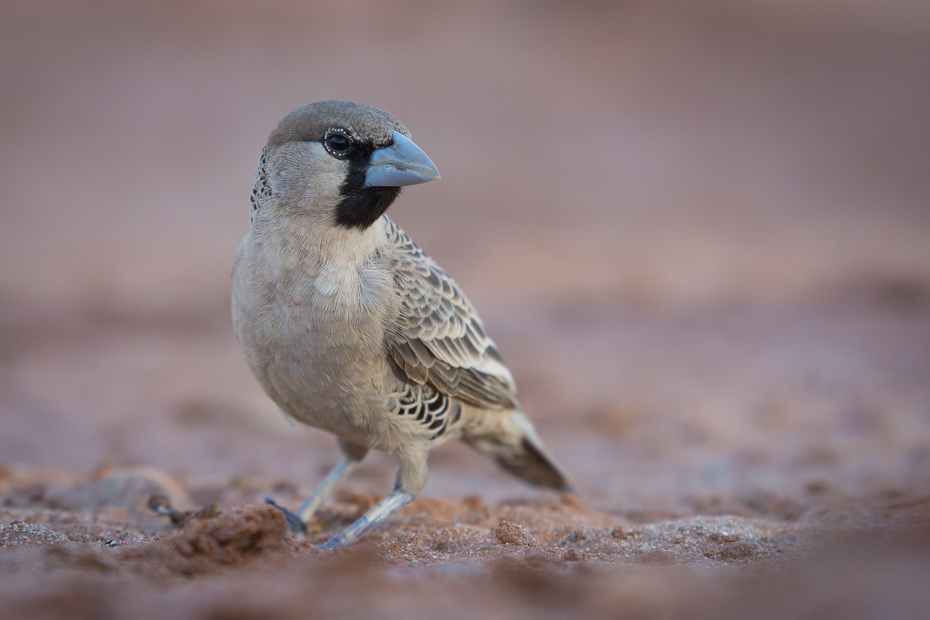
(294, 523)
(335, 542)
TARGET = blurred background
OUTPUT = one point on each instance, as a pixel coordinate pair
(699, 232)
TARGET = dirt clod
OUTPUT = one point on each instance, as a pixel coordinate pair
(512, 534)
(226, 538)
(740, 551)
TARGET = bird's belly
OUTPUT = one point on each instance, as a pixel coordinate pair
(323, 366)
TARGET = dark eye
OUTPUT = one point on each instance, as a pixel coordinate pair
(338, 143)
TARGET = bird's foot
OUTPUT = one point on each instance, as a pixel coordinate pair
(370, 520)
(294, 523)
(335, 542)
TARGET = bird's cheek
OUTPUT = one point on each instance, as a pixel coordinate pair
(325, 186)
(298, 186)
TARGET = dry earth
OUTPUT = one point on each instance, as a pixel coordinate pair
(699, 232)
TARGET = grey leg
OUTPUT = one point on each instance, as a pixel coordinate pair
(297, 521)
(395, 500)
(411, 477)
(323, 490)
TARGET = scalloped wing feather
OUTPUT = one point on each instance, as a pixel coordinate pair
(440, 339)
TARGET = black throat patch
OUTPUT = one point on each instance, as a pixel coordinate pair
(361, 206)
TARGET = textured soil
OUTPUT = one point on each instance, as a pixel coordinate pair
(699, 233)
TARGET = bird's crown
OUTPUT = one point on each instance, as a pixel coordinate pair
(310, 123)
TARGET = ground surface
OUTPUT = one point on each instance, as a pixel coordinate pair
(699, 233)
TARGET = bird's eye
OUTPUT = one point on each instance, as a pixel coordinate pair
(338, 143)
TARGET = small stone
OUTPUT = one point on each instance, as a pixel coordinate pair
(512, 534)
(618, 533)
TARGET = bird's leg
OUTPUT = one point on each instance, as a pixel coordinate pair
(297, 521)
(371, 519)
(411, 477)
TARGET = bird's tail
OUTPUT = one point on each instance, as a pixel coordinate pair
(517, 447)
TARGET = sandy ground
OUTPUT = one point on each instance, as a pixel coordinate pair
(699, 233)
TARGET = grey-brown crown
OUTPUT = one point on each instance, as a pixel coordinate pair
(309, 123)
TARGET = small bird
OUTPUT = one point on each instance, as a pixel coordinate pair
(351, 328)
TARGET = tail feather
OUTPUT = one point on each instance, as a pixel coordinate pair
(524, 455)
(536, 467)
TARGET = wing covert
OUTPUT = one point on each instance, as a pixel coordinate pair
(439, 337)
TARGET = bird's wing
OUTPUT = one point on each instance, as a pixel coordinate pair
(439, 338)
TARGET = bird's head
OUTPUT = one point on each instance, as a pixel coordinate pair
(342, 160)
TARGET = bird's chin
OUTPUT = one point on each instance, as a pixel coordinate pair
(363, 206)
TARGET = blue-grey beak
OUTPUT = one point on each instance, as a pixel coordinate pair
(402, 163)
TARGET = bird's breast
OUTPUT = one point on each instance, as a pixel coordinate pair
(312, 331)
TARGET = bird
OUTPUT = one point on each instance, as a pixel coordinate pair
(350, 327)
